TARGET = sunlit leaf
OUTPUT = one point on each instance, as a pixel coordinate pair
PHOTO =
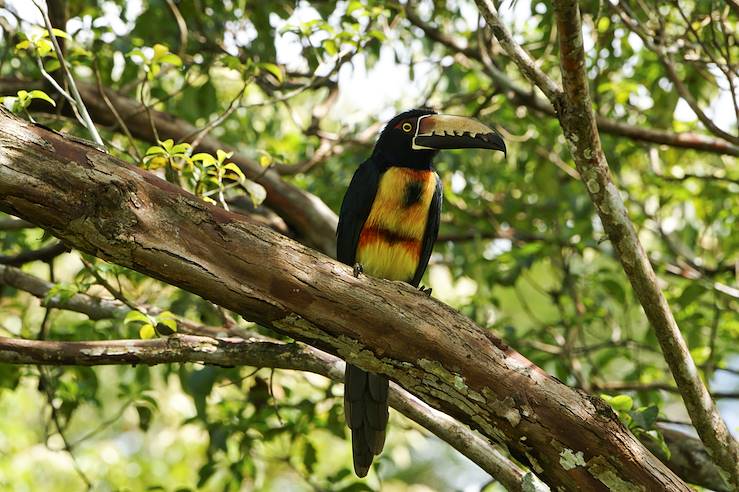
(147, 331)
(39, 94)
(235, 169)
(257, 193)
(136, 317)
(274, 70)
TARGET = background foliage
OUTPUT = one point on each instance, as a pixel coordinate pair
(521, 249)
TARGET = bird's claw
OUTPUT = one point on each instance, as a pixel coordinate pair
(426, 290)
(358, 268)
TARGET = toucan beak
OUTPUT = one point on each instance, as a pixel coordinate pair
(443, 131)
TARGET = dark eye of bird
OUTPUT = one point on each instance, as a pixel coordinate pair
(407, 127)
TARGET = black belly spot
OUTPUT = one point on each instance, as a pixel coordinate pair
(413, 193)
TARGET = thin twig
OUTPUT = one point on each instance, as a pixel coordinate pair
(112, 108)
(70, 80)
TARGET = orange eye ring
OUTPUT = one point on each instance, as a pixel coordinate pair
(407, 127)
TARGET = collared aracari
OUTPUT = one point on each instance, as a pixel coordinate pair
(388, 224)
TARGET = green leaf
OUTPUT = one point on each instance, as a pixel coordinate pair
(167, 315)
(691, 293)
(155, 150)
(166, 326)
(147, 331)
(145, 415)
(235, 169)
(160, 50)
(167, 145)
(43, 47)
(62, 292)
(206, 159)
(273, 69)
(265, 160)
(136, 317)
(645, 417)
(309, 457)
(353, 6)
(172, 59)
(58, 33)
(181, 148)
(38, 94)
(257, 193)
(378, 35)
(52, 65)
(621, 403)
(330, 46)
(222, 155)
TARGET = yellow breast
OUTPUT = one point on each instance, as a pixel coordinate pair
(391, 239)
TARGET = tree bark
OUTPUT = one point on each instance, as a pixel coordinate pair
(125, 215)
(577, 119)
(574, 110)
(303, 211)
(688, 457)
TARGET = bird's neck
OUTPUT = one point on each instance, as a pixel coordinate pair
(420, 160)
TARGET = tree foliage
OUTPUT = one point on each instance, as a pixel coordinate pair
(301, 89)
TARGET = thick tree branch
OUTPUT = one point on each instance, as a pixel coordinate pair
(98, 204)
(688, 458)
(248, 349)
(303, 211)
(578, 123)
(260, 353)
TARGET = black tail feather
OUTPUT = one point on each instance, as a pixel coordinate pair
(366, 413)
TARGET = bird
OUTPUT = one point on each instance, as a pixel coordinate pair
(388, 223)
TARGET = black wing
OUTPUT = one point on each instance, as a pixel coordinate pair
(432, 232)
(355, 209)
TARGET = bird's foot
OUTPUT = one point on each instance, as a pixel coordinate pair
(426, 290)
(358, 268)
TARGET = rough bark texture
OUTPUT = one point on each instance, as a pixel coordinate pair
(688, 458)
(128, 216)
(578, 123)
(281, 355)
(262, 353)
(306, 213)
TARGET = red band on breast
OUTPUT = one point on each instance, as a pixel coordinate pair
(372, 235)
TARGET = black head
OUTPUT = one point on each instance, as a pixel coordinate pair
(395, 144)
(414, 137)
